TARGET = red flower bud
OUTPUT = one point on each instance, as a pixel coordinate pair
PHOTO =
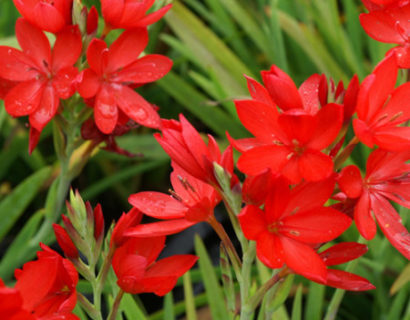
(65, 242)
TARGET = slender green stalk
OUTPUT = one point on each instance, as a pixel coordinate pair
(116, 305)
(88, 307)
(248, 259)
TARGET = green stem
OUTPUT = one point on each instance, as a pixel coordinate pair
(248, 259)
(341, 158)
(88, 307)
(235, 223)
(116, 305)
(339, 293)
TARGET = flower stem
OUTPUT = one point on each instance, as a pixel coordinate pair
(341, 158)
(116, 305)
(88, 307)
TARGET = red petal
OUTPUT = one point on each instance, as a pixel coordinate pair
(350, 181)
(380, 26)
(24, 98)
(277, 200)
(269, 250)
(34, 44)
(259, 118)
(92, 20)
(316, 226)
(315, 166)
(47, 17)
(402, 54)
(129, 270)
(309, 195)
(64, 82)
(343, 252)
(162, 228)
(126, 49)
(112, 11)
(257, 160)
(89, 85)
(391, 225)
(258, 91)
(282, 89)
(394, 139)
(47, 109)
(34, 137)
(364, 221)
(350, 98)
(303, 260)
(253, 223)
(363, 132)
(97, 55)
(136, 107)
(68, 38)
(298, 126)
(158, 205)
(105, 110)
(16, 66)
(330, 119)
(347, 281)
(149, 68)
(154, 17)
(309, 92)
(174, 266)
(398, 106)
(148, 247)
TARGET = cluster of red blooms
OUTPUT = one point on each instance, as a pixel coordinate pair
(293, 164)
(34, 79)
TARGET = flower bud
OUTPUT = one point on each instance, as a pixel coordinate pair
(65, 242)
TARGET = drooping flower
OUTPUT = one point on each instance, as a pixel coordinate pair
(387, 178)
(50, 16)
(186, 148)
(341, 253)
(43, 76)
(291, 222)
(51, 295)
(137, 270)
(129, 14)
(192, 201)
(111, 72)
(390, 24)
(381, 109)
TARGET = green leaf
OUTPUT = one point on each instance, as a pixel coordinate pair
(401, 281)
(213, 290)
(208, 48)
(13, 206)
(131, 308)
(189, 297)
(195, 102)
(281, 294)
(297, 304)
(314, 303)
(15, 254)
(169, 307)
(399, 304)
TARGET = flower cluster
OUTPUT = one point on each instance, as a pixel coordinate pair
(35, 79)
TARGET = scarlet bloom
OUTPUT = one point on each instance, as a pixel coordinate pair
(50, 16)
(51, 295)
(65, 242)
(389, 24)
(341, 253)
(137, 270)
(11, 304)
(381, 109)
(128, 14)
(186, 148)
(113, 70)
(192, 201)
(128, 220)
(387, 178)
(288, 142)
(373, 5)
(291, 222)
(43, 76)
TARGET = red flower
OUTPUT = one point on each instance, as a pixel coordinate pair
(11, 304)
(293, 220)
(65, 242)
(43, 75)
(390, 25)
(191, 202)
(128, 14)
(128, 220)
(137, 271)
(342, 253)
(47, 285)
(113, 70)
(381, 109)
(187, 149)
(50, 16)
(387, 178)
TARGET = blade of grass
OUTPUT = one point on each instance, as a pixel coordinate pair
(189, 297)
